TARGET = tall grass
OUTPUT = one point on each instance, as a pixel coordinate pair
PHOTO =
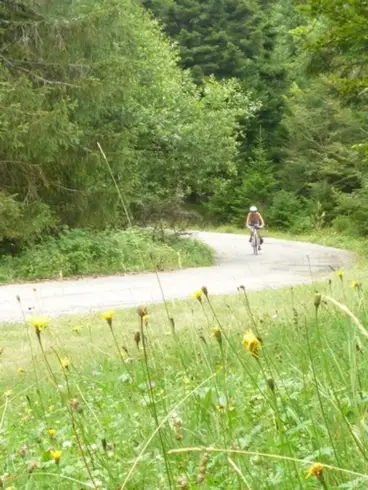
(194, 407)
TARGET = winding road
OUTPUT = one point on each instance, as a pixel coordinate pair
(281, 263)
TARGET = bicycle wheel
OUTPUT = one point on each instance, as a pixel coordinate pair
(255, 243)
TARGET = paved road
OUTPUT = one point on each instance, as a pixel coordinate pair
(281, 263)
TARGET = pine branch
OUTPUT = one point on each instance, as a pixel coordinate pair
(21, 8)
(33, 75)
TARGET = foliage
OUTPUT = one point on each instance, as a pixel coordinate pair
(205, 104)
(209, 35)
(81, 252)
(286, 209)
(314, 147)
(354, 208)
(337, 38)
(233, 38)
(336, 41)
(254, 185)
(22, 224)
(205, 387)
(171, 213)
(90, 72)
(321, 163)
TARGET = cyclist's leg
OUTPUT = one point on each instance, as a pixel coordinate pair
(260, 236)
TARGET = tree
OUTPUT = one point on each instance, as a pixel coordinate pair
(227, 39)
(79, 73)
(337, 37)
(321, 162)
(253, 184)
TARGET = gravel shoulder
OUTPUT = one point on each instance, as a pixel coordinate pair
(281, 263)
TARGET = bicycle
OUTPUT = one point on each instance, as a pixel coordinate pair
(255, 239)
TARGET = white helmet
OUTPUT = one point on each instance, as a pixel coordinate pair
(253, 209)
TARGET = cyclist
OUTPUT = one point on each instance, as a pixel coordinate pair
(254, 218)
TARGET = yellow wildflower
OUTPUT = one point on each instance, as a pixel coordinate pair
(8, 393)
(56, 456)
(146, 318)
(340, 274)
(252, 343)
(39, 323)
(198, 295)
(220, 408)
(65, 363)
(51, 433)
(108, 316)
(75, 329)
(20, 370)
(315, 470)
(355, 285)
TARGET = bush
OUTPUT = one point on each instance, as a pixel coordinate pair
(353, 212)
(22, 223)
(343, 224)
(82, 252)
(285, 211)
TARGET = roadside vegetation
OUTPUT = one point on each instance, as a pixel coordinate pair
(81, 252)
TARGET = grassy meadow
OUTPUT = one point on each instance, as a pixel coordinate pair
(253, 391)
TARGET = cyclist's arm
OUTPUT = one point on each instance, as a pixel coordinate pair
(262, 221)
(247, 221)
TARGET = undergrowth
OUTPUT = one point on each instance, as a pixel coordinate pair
(252, 391)
(82, 252)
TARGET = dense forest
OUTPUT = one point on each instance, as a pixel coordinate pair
(211, 104)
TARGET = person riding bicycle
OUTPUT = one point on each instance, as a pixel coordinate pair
(254, 218)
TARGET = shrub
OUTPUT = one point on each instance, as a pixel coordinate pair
(22, 223)
(82, 252)
(285, 211)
